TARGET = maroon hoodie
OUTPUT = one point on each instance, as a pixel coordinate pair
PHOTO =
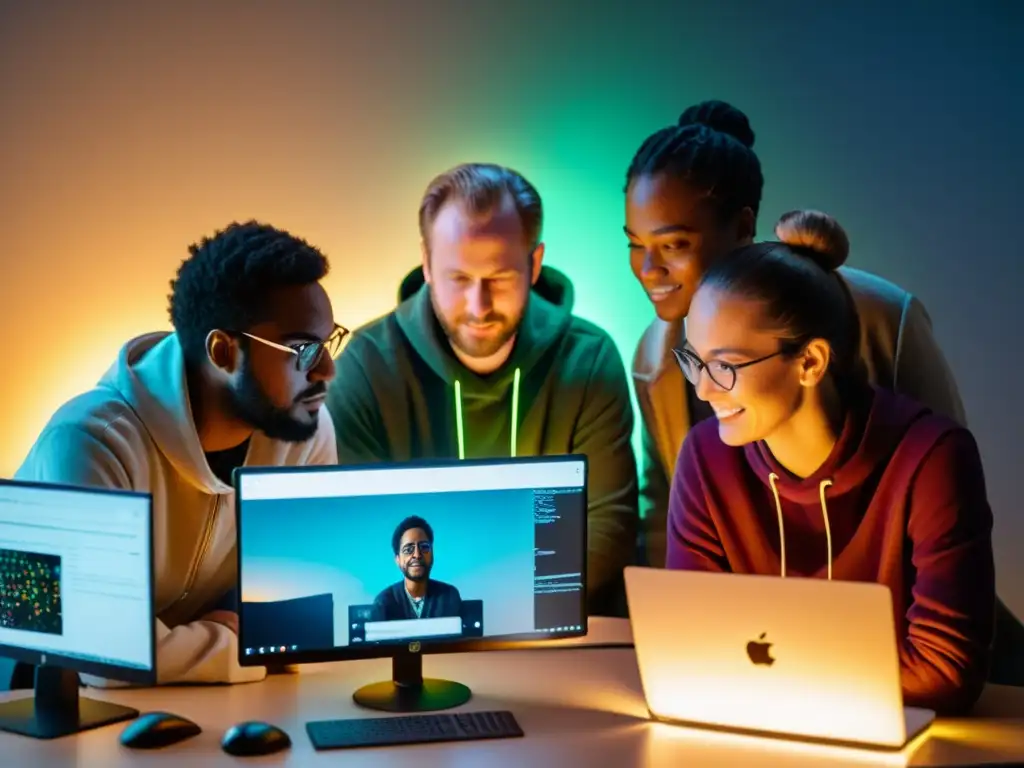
(904, 495)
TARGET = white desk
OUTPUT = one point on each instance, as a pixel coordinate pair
(577, 706)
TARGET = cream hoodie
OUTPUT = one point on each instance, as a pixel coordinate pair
(135, 431)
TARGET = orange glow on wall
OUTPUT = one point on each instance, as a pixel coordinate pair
(130, 129)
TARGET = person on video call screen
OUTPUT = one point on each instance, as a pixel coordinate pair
(416, 596)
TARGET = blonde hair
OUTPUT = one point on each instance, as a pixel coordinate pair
(481, 187)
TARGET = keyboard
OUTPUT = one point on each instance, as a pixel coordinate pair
(412, 729)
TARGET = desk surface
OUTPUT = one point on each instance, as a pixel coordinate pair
(578, 705)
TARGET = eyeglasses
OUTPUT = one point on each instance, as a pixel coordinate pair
(722, 374)
(424, 546)
(308, 354)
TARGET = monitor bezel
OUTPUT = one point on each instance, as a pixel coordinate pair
(75, 663)
(425, 646)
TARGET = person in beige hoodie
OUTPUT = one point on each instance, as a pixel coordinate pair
(239, 382)
(693, 192)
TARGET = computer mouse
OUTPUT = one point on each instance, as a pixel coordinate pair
(158, 729)
(254, 738)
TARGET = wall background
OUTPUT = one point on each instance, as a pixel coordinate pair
(129, 130)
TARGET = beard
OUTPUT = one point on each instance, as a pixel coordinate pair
(250, 403)
(460, 338)
(421, 576)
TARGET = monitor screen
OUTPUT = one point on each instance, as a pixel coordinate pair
(76, 576)
(365, 558)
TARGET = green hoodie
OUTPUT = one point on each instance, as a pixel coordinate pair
(401, 393)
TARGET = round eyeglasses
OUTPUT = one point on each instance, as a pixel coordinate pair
(425, 547)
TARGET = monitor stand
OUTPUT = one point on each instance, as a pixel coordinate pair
(408, 691)
(56, 710)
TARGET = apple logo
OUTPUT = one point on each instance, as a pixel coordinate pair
(759, 651)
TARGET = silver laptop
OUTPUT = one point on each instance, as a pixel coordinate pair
(800, 658)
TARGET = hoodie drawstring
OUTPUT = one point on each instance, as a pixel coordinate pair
(459, 427)
(828, 529)
(782, 530)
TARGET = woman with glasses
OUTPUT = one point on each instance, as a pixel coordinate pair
(693, 192)
(809, 471)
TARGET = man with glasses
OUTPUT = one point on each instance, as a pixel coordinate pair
(416, 596)
(240, 381)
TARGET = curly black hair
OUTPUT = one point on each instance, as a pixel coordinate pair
(226, 281)
(711, 147)
(411, 523)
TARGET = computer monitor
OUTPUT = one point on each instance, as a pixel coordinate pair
(398, 560)
(76, 595)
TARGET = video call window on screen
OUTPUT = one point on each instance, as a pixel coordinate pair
(384, 556)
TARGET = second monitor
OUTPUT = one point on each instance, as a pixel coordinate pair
(395, 561)
(76, 596)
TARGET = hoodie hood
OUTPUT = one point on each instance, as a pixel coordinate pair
(874, 428)
(150, 375)
(135, 431)
(546, 319)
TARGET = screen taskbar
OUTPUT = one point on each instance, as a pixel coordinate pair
(265, 650)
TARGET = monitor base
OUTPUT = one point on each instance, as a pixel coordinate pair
(56, 710)
(431, 696)
(408, 691)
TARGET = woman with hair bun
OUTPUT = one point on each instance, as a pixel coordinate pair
(810, 471)
(693, 192)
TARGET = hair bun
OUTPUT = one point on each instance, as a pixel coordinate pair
(722, 117)
(815, 235)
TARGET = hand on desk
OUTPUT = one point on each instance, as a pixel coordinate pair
(228, 618)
